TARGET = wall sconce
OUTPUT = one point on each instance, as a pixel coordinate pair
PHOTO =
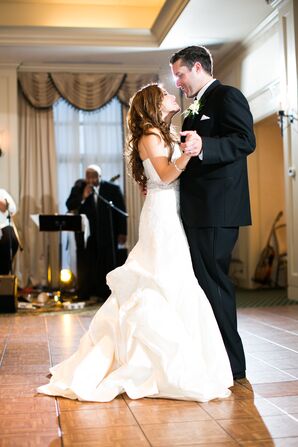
(281, 116)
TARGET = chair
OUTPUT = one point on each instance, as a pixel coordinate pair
(280, 240)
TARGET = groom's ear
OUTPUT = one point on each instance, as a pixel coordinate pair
(198, 67)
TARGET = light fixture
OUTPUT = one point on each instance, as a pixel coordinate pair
(289, 118)
(66, 276)
(57, 297)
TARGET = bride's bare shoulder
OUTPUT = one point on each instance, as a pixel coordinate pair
(152, 134)
(151, 144)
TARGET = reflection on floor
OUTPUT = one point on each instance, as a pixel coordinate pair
(262, 411)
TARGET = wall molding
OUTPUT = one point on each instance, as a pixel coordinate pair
(166, 19)
(242, 48)
(270, 86)
(46, 36)
(265, 101)
(8, 66)
(114, 37)
(88, 68)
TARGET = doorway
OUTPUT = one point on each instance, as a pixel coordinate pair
(268, 198)
(267, 195)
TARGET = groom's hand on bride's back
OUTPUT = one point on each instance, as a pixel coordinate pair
(191, 143)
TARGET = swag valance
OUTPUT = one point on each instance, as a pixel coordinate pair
(85, 91)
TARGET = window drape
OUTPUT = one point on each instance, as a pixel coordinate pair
(38, 194)
(84, 91)
(84, 138)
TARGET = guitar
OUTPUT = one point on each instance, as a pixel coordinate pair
(264, 267)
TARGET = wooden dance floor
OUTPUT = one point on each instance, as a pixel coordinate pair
(262, 411)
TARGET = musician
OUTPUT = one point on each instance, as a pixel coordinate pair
(108, 230)
(8, 239)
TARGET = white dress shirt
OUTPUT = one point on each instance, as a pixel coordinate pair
(4, 221)
(96, 192)
(203, 89)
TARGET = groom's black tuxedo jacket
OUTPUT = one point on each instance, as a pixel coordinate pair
(214, 191)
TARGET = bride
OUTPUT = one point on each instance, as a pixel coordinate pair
(156, 335)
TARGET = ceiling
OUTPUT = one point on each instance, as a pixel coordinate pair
(122, 33)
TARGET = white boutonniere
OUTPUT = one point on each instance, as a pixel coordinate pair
(193, 109)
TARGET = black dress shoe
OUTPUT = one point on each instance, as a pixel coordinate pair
(238, 376)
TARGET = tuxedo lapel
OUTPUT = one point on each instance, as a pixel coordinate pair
(188, 123)
(191, 122)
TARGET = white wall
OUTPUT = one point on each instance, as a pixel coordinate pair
(254, 68)
(265, 69)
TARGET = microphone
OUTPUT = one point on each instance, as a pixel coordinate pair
(7, 205)
(113, 179)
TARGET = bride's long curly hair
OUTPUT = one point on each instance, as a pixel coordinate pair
(144, 115)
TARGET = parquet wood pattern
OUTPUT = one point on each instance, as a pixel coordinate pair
(262, 411)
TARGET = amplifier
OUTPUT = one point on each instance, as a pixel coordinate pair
(8, 293)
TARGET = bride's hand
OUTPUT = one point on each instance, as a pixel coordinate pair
(193, 143)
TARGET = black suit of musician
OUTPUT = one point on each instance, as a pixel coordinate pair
(108, 228)
(214, 194)
(8, 238)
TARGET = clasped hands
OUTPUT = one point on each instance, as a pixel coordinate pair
(192, 145)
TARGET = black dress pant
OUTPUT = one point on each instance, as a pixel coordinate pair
(211, 249)
(8, 248)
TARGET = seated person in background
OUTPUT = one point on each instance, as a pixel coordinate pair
(99, 257)
(8, 240)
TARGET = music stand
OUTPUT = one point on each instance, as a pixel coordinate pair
(60, 222)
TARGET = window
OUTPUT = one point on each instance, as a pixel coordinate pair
(84, 138)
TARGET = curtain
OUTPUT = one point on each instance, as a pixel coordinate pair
(38, 193)
(132, 83)
(87, 91)
(83, 138)
(67, 133)
(38, 89)
(37, 147)
(134, 199)
(84, 91)
(103, 140)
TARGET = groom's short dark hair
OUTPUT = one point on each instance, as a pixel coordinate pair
(190, 55)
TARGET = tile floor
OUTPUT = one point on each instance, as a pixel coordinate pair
(262, 411)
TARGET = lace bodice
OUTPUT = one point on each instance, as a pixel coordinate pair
(153, 179)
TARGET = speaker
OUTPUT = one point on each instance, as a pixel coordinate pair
(8, 293)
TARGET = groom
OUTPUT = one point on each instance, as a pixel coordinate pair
(218, 134)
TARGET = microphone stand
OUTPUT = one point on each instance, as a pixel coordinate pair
(111, 207)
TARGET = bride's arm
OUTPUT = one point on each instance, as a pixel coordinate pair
(153, 147)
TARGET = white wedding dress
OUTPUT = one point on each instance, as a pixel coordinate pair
(156, 335)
